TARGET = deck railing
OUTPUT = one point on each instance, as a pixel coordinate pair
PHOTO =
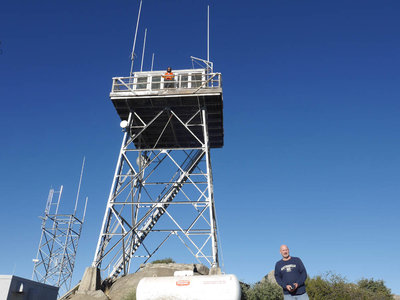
(195, 80)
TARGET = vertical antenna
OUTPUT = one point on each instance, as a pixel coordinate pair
(208, 32)
(152, 62)
(79, 186)
(84, 211)
(59, 198)
(144, 47)
(134, 40)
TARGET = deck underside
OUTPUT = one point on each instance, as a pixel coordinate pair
(179, 112)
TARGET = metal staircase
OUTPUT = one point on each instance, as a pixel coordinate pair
(159, 210)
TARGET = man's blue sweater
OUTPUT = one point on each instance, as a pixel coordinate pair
(291, 271)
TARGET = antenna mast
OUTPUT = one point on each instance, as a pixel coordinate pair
(209, 65)
(134, 40)
(79, 186)
(144, 48)
(208, 32)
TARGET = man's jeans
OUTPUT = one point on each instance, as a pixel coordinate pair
(296, 297)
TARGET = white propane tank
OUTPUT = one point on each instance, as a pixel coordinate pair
(200, 287)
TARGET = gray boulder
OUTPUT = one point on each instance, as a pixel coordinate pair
(125, 286)
(89, 295)
(270, 277)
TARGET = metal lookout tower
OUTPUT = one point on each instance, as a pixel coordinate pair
(163, 185)
(55, 260)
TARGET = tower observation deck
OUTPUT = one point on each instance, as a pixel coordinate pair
(147, 95)
(162, 188)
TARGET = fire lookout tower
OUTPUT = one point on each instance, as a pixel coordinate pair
(163, 187)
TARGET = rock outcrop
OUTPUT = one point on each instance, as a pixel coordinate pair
(124, 287)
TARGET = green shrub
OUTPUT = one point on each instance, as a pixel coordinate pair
(164, 261)
(334, 287)
(263, 290)
(244, 287)
(376, 287)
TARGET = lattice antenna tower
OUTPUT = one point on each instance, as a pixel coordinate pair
(55, 259)
(162, 188)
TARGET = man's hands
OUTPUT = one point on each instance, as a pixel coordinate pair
(292, 288)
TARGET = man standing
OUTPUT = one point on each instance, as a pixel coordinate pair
(169, 78)
(291, 274)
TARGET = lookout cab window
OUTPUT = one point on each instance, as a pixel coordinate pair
(155, 82)
(141, 83)
(196, 80)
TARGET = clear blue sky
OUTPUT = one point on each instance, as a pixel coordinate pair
(312, 128)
